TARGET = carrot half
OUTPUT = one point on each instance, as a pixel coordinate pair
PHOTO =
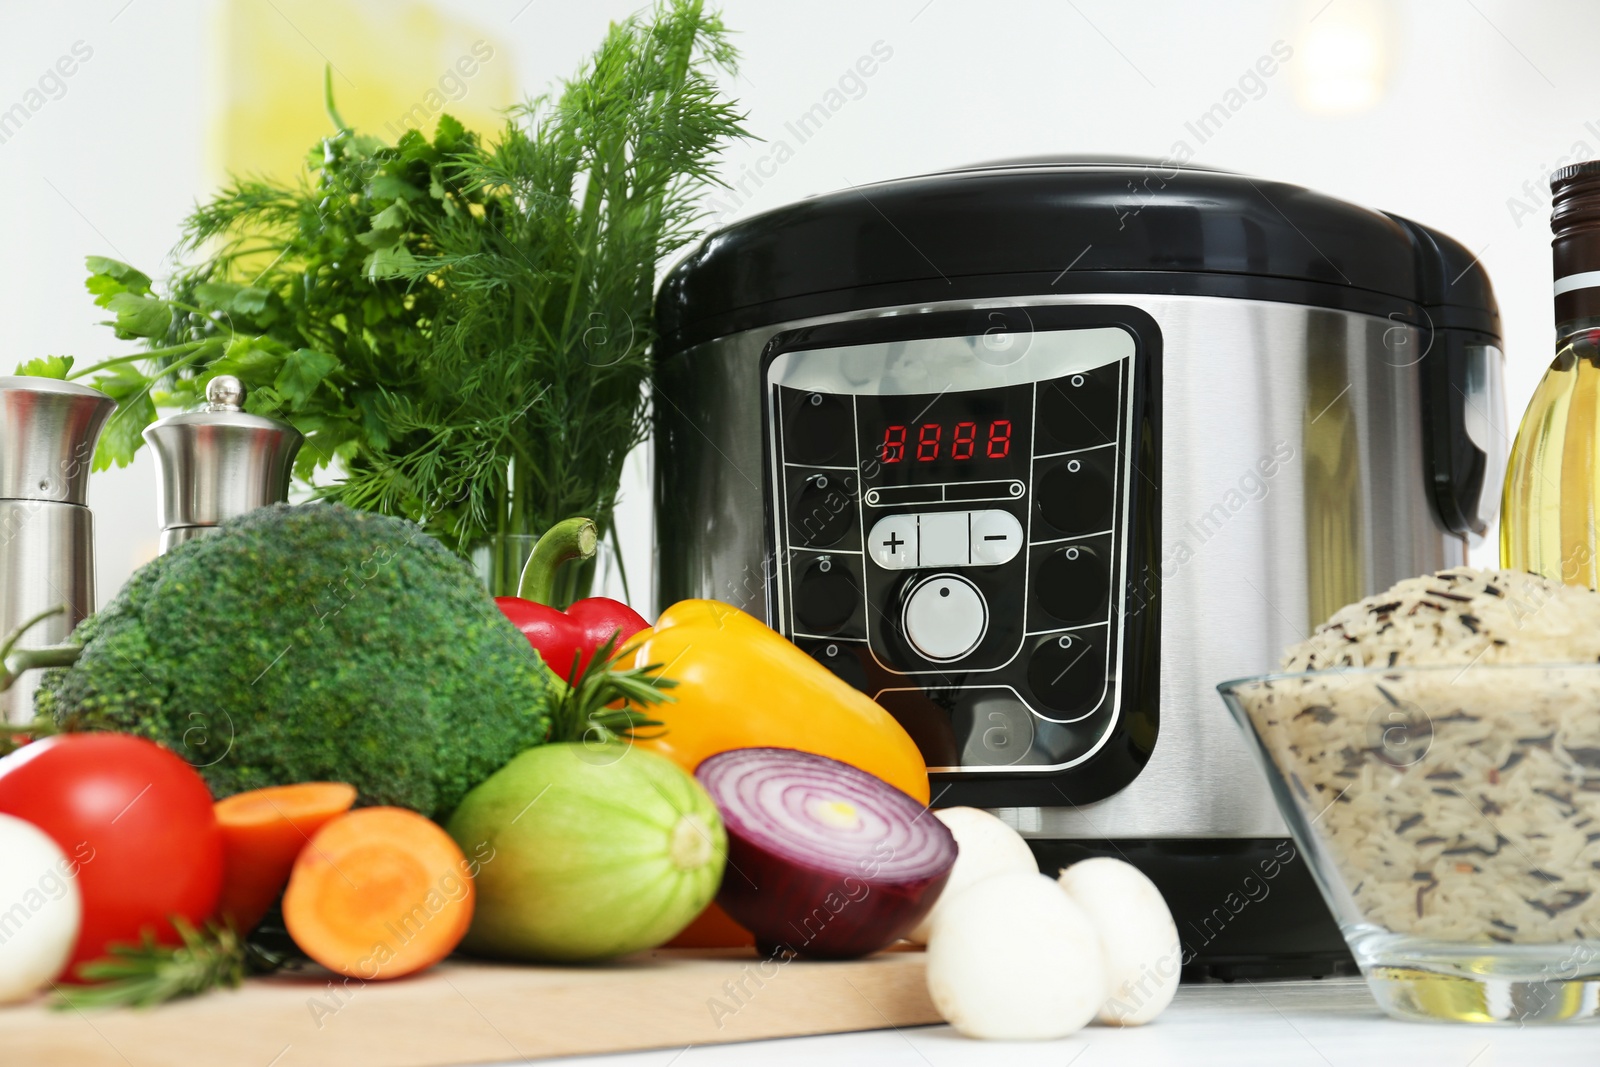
(262, 833)
(713, 928)
(379, 893)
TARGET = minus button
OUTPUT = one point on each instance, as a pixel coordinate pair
(996, 537)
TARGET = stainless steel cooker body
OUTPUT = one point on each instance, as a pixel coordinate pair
(1293, 479)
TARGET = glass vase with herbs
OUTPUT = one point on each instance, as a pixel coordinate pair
(460, 325)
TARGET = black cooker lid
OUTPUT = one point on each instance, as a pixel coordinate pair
(1071, 224)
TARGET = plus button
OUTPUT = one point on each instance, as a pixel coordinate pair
(892, 542)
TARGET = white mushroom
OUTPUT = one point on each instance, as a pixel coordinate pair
(40, 906)
(1012, 958)
(1142, 952)
(988, 847)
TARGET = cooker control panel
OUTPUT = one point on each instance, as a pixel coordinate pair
(949, 525)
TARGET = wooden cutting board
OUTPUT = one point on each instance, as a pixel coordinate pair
(466, 1013)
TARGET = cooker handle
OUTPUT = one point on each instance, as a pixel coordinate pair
(1462, 378)
(1466, 443)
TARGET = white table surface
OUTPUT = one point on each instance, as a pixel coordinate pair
(1331, 1023)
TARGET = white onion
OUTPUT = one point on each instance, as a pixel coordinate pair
(1140, 941)
(1012, 958)
(988, 847)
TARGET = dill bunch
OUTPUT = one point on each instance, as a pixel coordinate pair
(459, 326)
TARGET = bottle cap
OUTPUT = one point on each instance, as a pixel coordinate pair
(1574, 171)
(1575, 199)
(1575, 248)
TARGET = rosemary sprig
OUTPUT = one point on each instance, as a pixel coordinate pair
(146, 974)
(586, 712)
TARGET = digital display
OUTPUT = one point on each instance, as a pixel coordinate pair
(930, 442)
(980, 435)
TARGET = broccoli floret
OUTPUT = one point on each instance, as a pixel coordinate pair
(306, 643)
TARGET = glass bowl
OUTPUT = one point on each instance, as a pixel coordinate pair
(1451, 818)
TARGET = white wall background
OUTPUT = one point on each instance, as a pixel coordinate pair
(1460, 109)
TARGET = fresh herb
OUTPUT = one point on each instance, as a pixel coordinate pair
(460, 327)
(603, 702)
(46, 367)
(146, 974)
(14, 662)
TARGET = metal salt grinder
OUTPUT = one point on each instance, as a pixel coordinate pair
(218, 462)
(48, 432)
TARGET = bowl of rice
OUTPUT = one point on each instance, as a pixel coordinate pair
(1435, 751)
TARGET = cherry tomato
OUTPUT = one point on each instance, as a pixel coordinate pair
(134, 819)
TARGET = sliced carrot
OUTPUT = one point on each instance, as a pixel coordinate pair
(379, 893)
(713, 928)
(262, 833)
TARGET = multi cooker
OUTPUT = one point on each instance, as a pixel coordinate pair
(1035, 453)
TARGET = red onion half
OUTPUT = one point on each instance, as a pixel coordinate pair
(824, 860)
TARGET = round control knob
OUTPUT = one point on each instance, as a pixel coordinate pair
(818, 429)
(1080, 411)
(945, 617)
(1072, 583)
(823, 511)
(1076, 494)
(825, 597)
(1068, 674)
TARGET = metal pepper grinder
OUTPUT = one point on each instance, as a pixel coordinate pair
(219, 462)
(48, 432)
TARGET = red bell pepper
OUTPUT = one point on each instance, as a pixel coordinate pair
(572, 636)
(567, 639)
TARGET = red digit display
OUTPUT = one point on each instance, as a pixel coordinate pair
(961, 447)
(999, 438)
(894, 444)
(931, 446)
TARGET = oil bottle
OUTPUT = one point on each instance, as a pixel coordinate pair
(1552, 496)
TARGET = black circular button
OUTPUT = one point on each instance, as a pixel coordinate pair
(845, 662)
(826, 596)
(1067, 673)
(818, 429)
(823, 511)
(1075, 493)
(1071, 584)
(1079, 411)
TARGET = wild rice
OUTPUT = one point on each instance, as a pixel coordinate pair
(1455, 802)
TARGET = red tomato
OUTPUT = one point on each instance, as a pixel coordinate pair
(137, 822)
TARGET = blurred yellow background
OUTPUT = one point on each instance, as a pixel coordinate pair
(395, 66)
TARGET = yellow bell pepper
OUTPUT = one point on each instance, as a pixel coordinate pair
(742, 685)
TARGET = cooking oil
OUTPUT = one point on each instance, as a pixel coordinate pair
(1547, 522)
